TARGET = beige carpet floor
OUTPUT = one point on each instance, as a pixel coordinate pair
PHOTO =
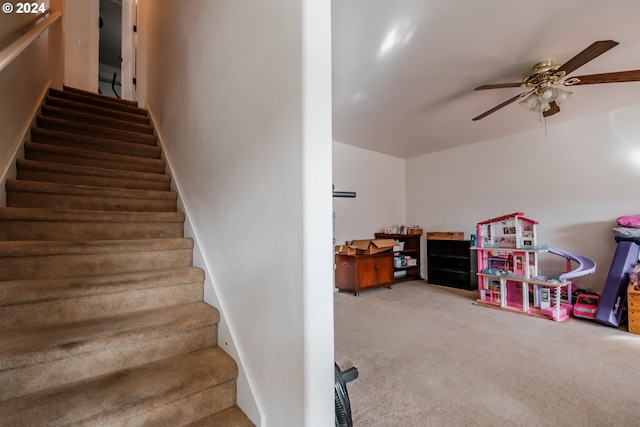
(428, 356)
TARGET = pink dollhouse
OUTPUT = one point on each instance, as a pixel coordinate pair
(508, 274)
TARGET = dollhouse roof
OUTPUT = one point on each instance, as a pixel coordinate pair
(509, 216)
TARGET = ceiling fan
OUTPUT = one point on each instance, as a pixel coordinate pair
(542, 93)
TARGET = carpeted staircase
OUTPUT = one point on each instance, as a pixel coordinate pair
(102, 319)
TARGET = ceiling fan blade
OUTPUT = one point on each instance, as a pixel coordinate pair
(498, 86)
(504, 104)
(615, 77)
(596, 49)
(553, 109)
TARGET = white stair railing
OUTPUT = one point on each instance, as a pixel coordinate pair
(9, 53)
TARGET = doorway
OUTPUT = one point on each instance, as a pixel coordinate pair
(117, 48)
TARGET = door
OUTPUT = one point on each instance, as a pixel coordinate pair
(129, 40)
(117, 57)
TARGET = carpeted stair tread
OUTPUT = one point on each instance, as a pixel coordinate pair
(81, 128)
(95, 143)
(74, 215)
(71, 105)
(88, 347)
(94, 119)
(60, 224)
(68, 340)
(60, 259)
(86, 190)
(93, 171)
(30, 194)
(230, 417)
(91, 158)
(44, 248)
(18, 292)
(127, 397)
(35, 170)
(103, 103)
(127, 299)
(99, 96)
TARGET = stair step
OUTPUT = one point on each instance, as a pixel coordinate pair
(34, 170)
(87, 142)
(80, 128)
(32, 360)
(169, 392)
(43, 195)
(71, 105)
(64, 259)
(102, 319)
(89, 351)
(99, 159)
(107, 102)
(59, 224)
(39, 303)
(95, 119)
(230, 417)
(99, 96)
(30, 291)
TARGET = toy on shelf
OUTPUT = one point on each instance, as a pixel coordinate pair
(508, 266)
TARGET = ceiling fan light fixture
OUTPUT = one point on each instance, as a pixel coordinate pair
(562, 95)
(540, 101)
(530, 103)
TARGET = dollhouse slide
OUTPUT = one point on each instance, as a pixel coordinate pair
(585, 265)
(614, 294)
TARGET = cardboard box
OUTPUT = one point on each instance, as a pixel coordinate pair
(445, 235)
(345, 250)
(373, 246)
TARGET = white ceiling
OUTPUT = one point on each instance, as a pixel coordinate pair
(404, 71)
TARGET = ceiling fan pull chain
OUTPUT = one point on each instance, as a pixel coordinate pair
(542, 119)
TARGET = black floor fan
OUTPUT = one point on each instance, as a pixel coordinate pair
(343, 406)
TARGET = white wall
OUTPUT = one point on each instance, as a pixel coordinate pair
(379, 182)
(240, 94)
(575, 181)
(23, 84)
(81, 44)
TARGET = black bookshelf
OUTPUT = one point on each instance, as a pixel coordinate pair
(452, 263)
